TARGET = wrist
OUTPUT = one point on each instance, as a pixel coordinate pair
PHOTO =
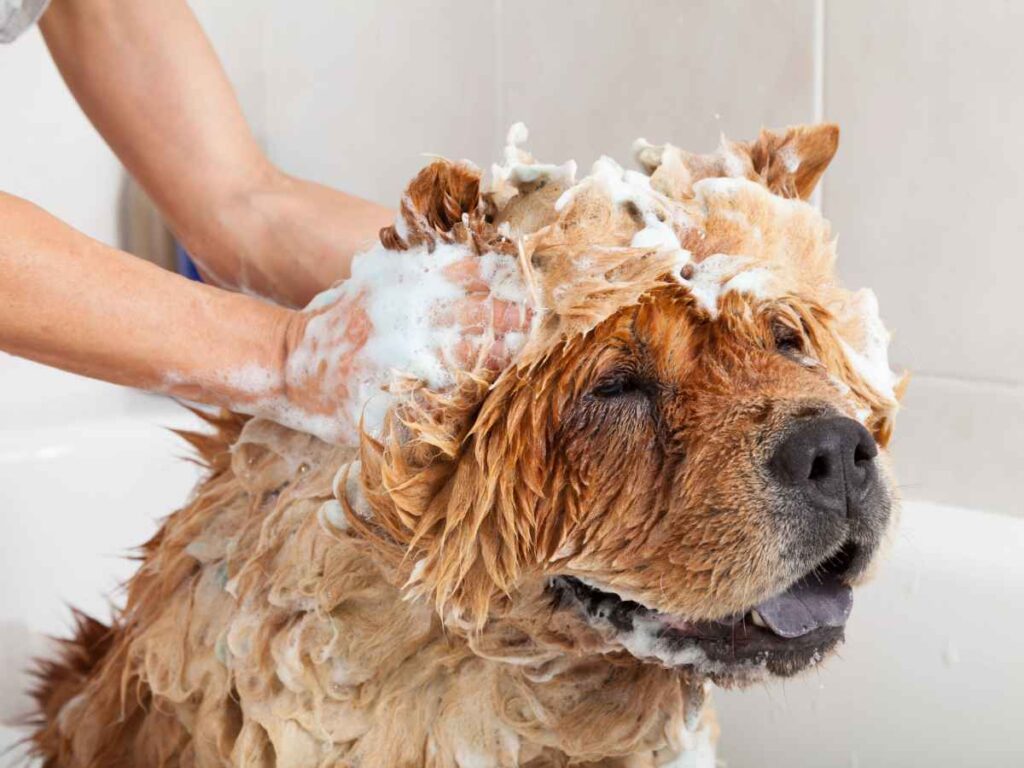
(289, 335)
(234, 240)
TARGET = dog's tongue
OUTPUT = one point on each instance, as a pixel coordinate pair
(808, 605)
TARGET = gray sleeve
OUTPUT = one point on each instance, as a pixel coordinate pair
(18, 15)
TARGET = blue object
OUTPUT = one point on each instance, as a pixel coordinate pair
(186, 267)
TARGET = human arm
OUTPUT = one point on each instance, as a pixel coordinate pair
(69, 301)
(150, 81)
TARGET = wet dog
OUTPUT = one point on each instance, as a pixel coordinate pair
(675, 483)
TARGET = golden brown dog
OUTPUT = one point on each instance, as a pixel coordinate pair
(673, 484)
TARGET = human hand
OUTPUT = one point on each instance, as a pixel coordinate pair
(418, 314)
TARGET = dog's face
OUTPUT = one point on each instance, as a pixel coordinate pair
(711, 465)
(688, 459)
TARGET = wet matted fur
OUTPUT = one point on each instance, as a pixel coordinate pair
(404, 602)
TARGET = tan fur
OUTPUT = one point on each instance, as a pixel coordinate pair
(267, 627)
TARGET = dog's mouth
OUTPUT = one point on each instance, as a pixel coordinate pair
(782, 635)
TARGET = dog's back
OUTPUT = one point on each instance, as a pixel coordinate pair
(259, 631)
(229, 574)
(82, 717)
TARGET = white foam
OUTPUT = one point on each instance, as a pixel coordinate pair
(789, 157)
(698, 750)
(403, 291)
(758, 282)
(514, 342)
(645, 642)
(734, 165)
(519, 168)
(325, 298)
(871, 361)
(253, 379)
(660, 216)
(646, 639)
(502, 275)
(416, 575)
(404, 295)
(401, 226)
(529, 173)
(332, 512)
(722, 273)
(346, 485)
(517, 134)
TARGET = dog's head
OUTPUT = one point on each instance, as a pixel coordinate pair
(686, 461)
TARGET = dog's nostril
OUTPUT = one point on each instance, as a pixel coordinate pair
(819, 468)
(830, 460)
(865, 452)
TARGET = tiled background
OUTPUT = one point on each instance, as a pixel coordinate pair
(925, 195)
(926, 192)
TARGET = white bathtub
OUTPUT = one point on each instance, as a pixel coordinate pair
(932, 673)
(86, 470)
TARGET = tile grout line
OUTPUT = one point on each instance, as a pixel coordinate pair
(499, 78)
(1004, 386)
(264, 69)
(818, 76)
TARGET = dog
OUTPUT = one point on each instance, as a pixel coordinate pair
(674, 484)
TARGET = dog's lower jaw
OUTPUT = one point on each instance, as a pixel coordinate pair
(257, 632)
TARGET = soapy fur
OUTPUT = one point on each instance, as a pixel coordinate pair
(384, 603)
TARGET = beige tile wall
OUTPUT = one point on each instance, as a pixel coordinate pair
(926, 195)
(358, 91)
(926, 192)
(590, 77)
(49, 153)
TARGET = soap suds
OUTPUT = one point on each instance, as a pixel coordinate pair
(416, 576)
(519, 169)
(409, 300)
(660, 215)
(698, 750)
(734, 165)
(331, 512)
(871, 360)
(646, 639)
(404, 293)
(722, 273)
(346, 486)
(790, 159)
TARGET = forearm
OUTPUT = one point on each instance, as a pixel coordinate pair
(74, 303)
(150, 81)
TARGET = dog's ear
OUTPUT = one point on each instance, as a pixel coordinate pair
(791, 163)
(455, 509)
(435, 206)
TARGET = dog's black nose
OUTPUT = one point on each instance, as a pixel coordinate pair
(830, 461)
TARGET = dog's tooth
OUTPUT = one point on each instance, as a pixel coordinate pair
(755, 617)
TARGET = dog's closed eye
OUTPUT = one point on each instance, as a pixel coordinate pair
(788, 340)
(618, 385)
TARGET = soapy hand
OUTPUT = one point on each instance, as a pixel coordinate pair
(424, 315)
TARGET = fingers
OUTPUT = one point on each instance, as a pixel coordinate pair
(466, 274)
(475, 314)
(474, 353)
(509, 316)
